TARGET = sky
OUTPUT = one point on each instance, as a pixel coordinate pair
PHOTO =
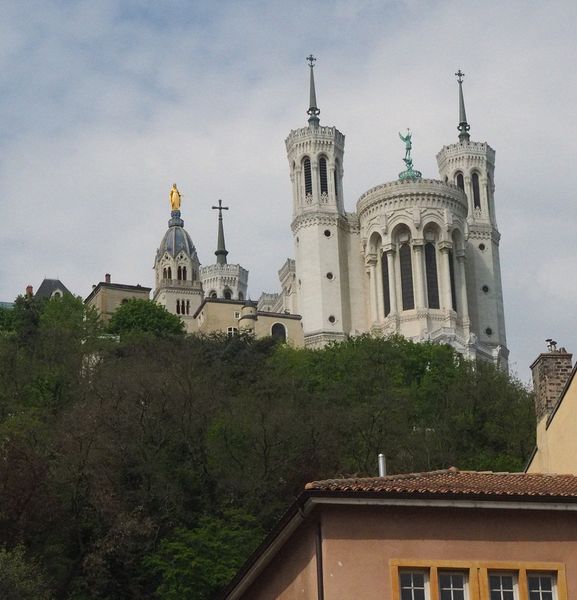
(103, 105)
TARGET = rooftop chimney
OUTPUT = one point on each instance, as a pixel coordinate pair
(550, 372)
(29, 291)
(382, 465)
(107, 278)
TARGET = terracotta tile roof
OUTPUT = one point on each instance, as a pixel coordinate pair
(454, 482)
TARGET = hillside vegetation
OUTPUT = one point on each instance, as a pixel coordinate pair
(150, 465)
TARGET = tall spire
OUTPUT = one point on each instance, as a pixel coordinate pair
(463, 125)
(313, 110)
(221, 250)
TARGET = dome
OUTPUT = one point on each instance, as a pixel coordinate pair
(176, 240)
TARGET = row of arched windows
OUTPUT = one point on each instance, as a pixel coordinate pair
(460, 181)
(406, 278)
(183, 307)
(181, 273)
(323, 176)
(227, 294)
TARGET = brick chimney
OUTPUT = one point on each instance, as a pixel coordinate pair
(29, 291)
(550, 372)
(107, 278)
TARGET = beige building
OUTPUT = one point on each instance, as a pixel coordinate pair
(444, 535)
(234, 316)
(106, 297)
(555, 388)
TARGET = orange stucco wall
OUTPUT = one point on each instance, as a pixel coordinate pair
(293, 573)
(359, 543)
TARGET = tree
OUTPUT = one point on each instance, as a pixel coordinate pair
(144, 316)
(20, 578)
(194, 564)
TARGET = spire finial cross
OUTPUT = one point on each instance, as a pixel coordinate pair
(220, 208)
(311, 60)
(459, 74)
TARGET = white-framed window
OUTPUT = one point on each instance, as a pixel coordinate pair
(236, 314)
(502, 586)
(541, 586)
(413, 585)
(452, 585)
(230, 331)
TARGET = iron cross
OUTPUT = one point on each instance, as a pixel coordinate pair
(311, 60)
(220, 208)
(460, 76)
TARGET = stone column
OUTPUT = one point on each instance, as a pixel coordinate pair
(315, 180)
(370, 263)
(464, 308)
(390, 252)
(469, 192)
(419, 273)
(446, 300)
(331, 182)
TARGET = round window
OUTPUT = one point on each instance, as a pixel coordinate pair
(332, 319)
(327, 233)
(329, 275)
(485, 288)
(489, 331)
(481, 246)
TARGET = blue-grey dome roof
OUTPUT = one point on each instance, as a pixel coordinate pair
(176, 239)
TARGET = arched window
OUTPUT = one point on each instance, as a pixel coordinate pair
(178, 307)
(212, 294)
(452, 278)
(278, 331)
(460, 181)
(476, 191)
(406, 277)
(179, 273)
(169, 273)
(184, 273)
(308, 176)
(240, 296)
(431, 275)
(323, 175)
(188, 307)
(386, 284)
(227, 294)
(489, 195)
(164, 276)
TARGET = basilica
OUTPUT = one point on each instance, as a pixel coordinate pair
(419, 257)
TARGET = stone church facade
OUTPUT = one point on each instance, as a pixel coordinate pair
(419, 257)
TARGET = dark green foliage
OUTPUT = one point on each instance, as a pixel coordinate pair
(20, 578)
(151, 466)
(144, 316)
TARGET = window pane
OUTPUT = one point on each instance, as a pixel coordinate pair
(508, 595)
(406, 594)
(405, 580)
(545, 583)
(446, 595)
(419, 594)
(418, 580)
(495, 595)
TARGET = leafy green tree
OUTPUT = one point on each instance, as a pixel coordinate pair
(6, 319)
(144, 316)
(194, 564)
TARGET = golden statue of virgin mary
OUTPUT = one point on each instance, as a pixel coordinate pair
(174, 198)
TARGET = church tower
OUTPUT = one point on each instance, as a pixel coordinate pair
(319, 226)
(177, 269)
(471, 165)
(221, 280)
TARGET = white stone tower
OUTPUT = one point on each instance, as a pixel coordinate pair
(319, 226)
(177, 269)
(221, 280)
(470, 165)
